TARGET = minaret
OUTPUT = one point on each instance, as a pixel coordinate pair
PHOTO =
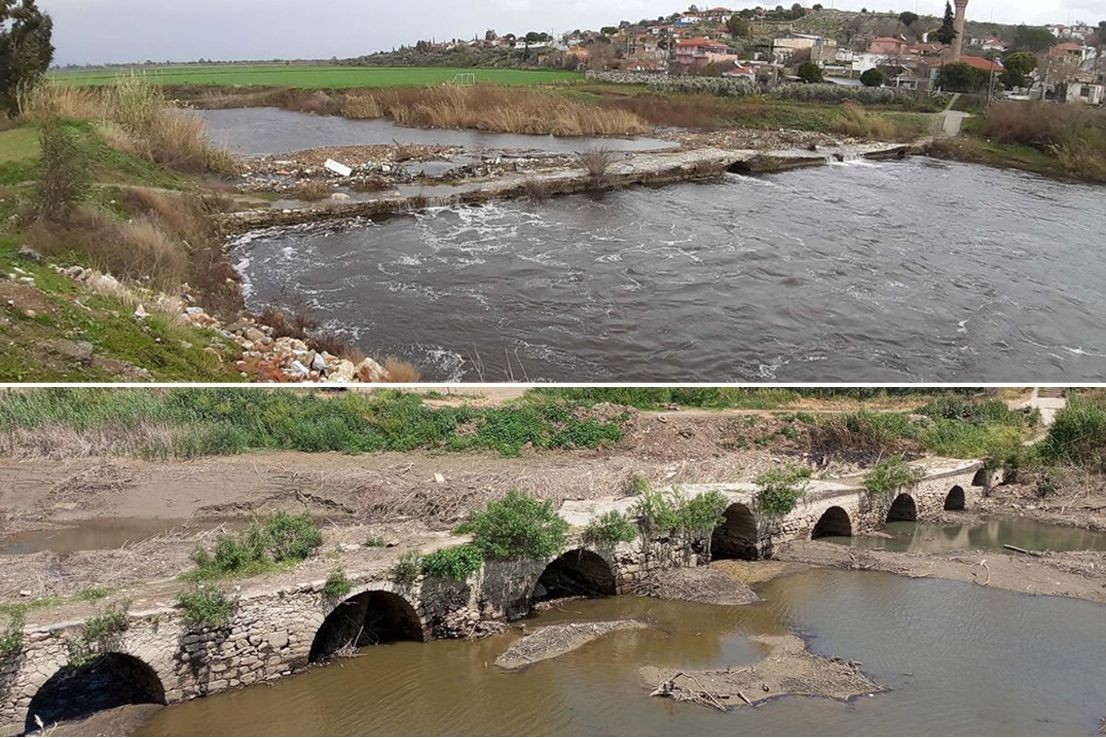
(958, 42)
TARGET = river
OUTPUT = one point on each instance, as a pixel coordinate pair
(960, 660)
(261, 131)
(915, 271)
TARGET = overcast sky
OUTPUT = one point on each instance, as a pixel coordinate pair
(107, 31)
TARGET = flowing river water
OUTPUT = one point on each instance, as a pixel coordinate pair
(959, 659)
(899, 271)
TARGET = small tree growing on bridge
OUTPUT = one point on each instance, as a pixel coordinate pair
(780, 489)
(11, 638)
(206, 607)
(98, 635)
(517, 527)
(891, 474)
(610, 529)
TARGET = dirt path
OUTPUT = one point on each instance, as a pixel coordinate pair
(1078, 574)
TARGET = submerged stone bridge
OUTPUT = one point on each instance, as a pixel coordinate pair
(280, 629)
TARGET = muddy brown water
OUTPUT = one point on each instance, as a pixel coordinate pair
(102, 534)
(986, 535)
(960, 659)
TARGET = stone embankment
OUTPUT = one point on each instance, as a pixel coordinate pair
(625, 170)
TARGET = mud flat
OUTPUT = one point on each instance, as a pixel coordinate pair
(1077, 574)
(557, 640)
(788, 669)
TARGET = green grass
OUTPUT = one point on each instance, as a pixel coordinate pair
(227, 421)
(170, 352)
(18, 144)
(312, 76)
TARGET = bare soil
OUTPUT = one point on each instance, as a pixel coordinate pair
(788, 669)
(1071, 497)
(556, 640)
(1078, 574)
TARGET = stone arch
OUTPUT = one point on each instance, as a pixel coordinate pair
(576, 573)
(902, 508)
(980, 478)
(955, 498)
(110, 680)
(737, 537)
(366, 619)
(834, 522)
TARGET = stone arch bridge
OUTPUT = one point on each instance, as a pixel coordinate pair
(279, 630)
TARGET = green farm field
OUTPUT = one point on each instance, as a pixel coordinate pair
(320, 76)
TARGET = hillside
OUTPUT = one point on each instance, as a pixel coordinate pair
(855, 30)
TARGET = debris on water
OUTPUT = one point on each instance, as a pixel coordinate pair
(556, 640)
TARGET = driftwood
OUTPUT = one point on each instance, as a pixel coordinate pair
(702, 695)
(1020, 550)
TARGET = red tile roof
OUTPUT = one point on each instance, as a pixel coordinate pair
(980, 63)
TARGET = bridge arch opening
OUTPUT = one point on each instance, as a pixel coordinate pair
(367, 619)
(574, 574)
(902, 508)
(955, 498)
(834, 522)
(736, 537)
(980, 478)
(109, 681)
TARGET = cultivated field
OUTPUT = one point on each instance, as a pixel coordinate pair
(320, 76)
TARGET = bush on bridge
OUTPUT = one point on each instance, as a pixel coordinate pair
(456, 562)
(610, 529)
(206, 607)
(891, 474)
(281, 539)
(99, 635)
(780, 489)
(11, 638)
(337, 585)
(517, 527)
(407, 569)
(663, 513)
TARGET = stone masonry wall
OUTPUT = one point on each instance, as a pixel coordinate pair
(272, 631)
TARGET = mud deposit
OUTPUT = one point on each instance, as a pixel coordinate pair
(780, 277)
(556, 640)
(957, 659)
(788, 669)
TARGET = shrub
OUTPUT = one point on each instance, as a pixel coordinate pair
(99, 635)
(657, 512)
(206, 607)
(891, 474)
(703, 513)
(64, 176)
(517, 527)
(312, 191)
(810, 73)
(399, 371)
(456, 562)
(375, 542)
(873, 77)
(597, 162)
(1078, 434)
(11, 638)
(780, 489)
(407, 569)
(864, 434)
(280, 539)
(337, 586)
(610, 529)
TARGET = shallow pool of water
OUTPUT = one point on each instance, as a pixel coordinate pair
(260, 131)
(102, 533)
(989, 535)
(882, 272)
(961, 660)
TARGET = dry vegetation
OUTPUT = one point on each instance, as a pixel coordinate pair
(481, 107)
(856, 122)
(135, 119)
(1075, 135)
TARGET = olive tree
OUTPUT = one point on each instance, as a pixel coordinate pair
(26, 50)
